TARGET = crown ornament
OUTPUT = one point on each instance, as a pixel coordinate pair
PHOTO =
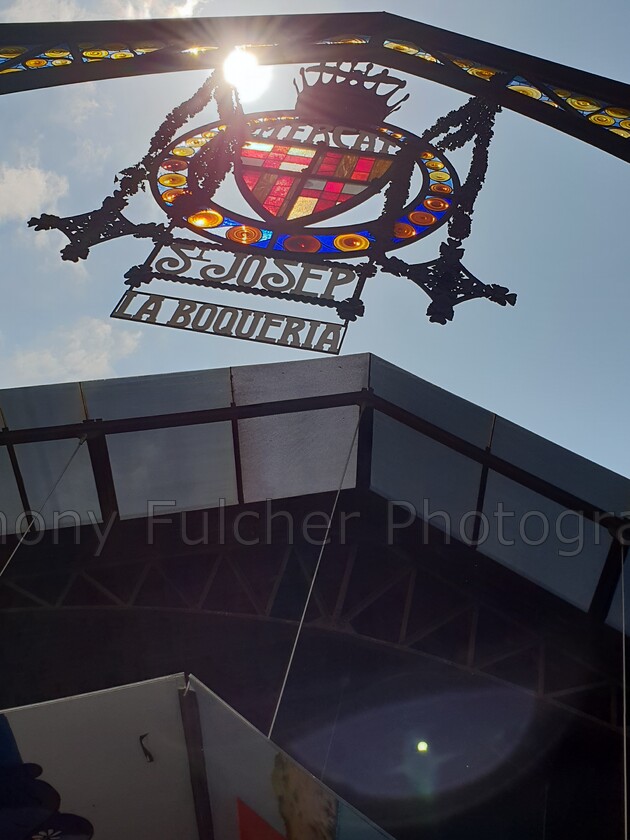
(332, 94)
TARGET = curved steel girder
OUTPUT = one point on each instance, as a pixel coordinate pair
(294, 39)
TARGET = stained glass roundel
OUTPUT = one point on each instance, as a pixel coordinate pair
(307, 186)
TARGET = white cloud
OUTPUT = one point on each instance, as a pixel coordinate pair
(87, 351)
(28, 11)
(29, 190)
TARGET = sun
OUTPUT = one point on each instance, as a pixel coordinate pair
(241, 69)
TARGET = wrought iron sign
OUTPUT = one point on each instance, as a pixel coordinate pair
(307, 235)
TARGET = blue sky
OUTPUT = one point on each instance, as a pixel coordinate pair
(551, 223)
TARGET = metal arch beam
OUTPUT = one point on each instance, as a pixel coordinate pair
(289, 39)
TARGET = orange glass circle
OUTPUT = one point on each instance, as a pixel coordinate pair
(440, 176)
(95, 53)
(36, 62)
(304, 244)
(172, 179)
(617, 113)
(435, 164)
(443, 189)
(206, 219)
(436, 204)
(418, 217)
(182, 151)
(482, 72)
(404, 231)
(351, 242)
(171, 195)
(244, 234)
(174, 165)
(427, 156)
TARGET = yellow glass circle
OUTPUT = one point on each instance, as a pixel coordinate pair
(209, 134)
(149, 46)
(206, 219)
(418, 217)
(620, 131)
(351, 242)
(122, 55)
(170, 195)
(11, 52)
(427, 156)
(404, 48)
(563, 94)
(57, 53)
(436, 204)
(624, 124)
(617, 113)
(36, 62)
(172, 179)
(95, 53)
(11, 70)
(404, 231)
(196, 142)
(444, 189)
(527, 90)
(482, 72)
(601, 119)
(435, 164)
(182, 151)
(115, 47)
(440, 176)
(244, 234)
(583, 104)
(58, 62)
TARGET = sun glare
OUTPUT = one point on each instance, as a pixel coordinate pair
(242, 70)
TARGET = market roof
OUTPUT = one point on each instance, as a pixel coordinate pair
(242, 435)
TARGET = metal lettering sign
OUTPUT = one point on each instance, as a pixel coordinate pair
(231, 321)
(331, 181)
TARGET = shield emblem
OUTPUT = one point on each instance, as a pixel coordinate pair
(289, 180)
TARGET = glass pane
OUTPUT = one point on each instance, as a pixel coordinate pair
(299, 380)
(45, 405)
(440, 484)
(559, 466)
(75, 500)
(616, 614)
(181, 468)
(294, 454)
(143, 396)
(10, 502)
(541, 540)
(425, 400)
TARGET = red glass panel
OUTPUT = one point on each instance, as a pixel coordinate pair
(251, 179)
(364, 164)
(324, 204)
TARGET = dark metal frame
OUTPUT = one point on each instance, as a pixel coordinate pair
(294, 39)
